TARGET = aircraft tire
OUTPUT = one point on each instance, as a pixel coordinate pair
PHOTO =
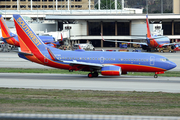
(90, 75)
(155, 76)
(95, 74)
(70, 70)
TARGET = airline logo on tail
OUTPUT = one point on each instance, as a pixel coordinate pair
(28, 31)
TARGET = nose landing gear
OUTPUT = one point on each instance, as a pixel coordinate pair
(155, 76)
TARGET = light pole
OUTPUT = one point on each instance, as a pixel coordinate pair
(37, 11)
(147, 6)
(161, 6)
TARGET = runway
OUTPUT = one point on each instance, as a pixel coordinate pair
(82, 82)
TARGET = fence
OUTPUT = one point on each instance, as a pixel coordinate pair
(14, 116)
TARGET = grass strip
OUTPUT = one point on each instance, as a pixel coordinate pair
(13, 100)
(39, 70)
(60, 71)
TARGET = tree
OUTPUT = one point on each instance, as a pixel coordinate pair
(108, 4)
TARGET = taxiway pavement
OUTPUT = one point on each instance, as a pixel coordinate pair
(82, 82)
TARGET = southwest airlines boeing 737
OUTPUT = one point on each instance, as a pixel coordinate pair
(153, 41)
(12, 39)
(106, 63)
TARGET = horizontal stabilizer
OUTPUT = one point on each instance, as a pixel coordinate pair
(26, 53)
(8, 37)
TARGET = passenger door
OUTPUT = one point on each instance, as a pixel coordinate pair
(152, 60)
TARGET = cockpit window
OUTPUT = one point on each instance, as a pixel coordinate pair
(164, 59)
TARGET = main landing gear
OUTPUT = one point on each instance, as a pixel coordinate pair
(95, 74)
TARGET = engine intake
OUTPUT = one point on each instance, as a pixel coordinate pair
(111, 71)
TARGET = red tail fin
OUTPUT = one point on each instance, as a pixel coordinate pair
(61, 37)
(4, 29)
(7, 35)
(148, 29)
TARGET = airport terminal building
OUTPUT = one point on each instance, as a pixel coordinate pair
(117, 26)
(87, 25)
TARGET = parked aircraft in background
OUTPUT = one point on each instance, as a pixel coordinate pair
(12, 39)
(153, 41)
(106, 63)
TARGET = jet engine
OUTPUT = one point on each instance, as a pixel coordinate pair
(111, 70)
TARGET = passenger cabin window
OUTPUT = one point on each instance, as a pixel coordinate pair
(164, 59)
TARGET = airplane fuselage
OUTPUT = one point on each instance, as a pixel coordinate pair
(128, 61)
(158, 41)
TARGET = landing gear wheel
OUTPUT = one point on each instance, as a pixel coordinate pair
(155, 76)
(90, 75)
(95, 74)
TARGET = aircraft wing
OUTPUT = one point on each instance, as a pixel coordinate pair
(166, 44)
(140, 43)
(84, 65)
(74, 62)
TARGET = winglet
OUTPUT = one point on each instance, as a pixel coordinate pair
(102, 37)
(79, 47)
(148, 29)
(51, 55)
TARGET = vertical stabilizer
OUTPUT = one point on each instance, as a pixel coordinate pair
(7, 35)
(29, 41)
(4, 29)
(148, 29)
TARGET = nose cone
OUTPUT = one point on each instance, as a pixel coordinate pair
(171, 65)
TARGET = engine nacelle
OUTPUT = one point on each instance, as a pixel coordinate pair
(111, 70)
